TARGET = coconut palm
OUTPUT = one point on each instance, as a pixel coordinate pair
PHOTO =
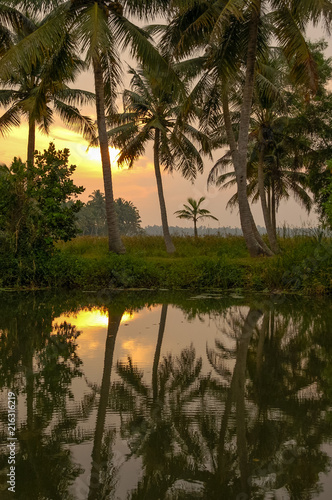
(152, 112)
(277, 149)
(99, 28)
(43, 90)
(238, 30)
(193, 212)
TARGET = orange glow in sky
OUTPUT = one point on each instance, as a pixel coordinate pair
(138, 184)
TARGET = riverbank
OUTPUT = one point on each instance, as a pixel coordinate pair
(210, 262)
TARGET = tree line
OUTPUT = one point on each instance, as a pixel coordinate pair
(91, 219)
(238, 75)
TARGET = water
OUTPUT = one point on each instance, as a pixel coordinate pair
(154, 396)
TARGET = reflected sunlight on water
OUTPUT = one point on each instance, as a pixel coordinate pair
(168, 401)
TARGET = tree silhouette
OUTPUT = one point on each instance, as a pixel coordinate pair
(194, 212)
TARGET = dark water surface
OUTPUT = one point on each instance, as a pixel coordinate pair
(159, 396)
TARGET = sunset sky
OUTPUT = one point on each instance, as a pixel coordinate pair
(138, 184)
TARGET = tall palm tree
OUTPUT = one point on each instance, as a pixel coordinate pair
(99, 28)
(31, 93)
(152, 112)
(277, 150)
(218, 24)
(193, 212)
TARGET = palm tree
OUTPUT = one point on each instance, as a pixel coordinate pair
(235, 28)
(31, 93)
(279, 184)
(99, 28)
(152, 112)
(277, 149)
(193, 212)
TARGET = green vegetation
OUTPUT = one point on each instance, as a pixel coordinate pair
(33, 210)
(304, 266)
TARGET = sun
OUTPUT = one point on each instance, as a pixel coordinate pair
(94, 154)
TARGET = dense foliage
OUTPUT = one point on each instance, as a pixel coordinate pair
(33, 212)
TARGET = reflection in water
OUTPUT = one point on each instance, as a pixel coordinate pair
(98, 489)
(237, 407)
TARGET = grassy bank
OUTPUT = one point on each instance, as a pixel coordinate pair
(305, 265)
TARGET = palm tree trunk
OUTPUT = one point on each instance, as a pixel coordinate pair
(251, 235)
(240, 163)
(195, 228)
(265, 209)
(241, 363)
(237, 394)
(170, 248)
(114, 240)
(29, 391)
(274, 210)
(113, 326)
(260, 346)
(31, 139)
(269, 200)
(157, 352)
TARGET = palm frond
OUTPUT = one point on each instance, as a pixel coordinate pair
(215, 173)
(7, 96)
(31, 49)
(92, 29)
(296, 50)
(75, 96)
(11, 118)
(134, 148)
(45, 120)
(142, 48)
(75, 121)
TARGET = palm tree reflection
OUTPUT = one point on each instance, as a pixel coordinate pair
(217, 435)
(98, 488)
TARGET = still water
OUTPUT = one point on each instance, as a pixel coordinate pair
(162, 396)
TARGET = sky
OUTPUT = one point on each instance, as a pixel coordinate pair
(138, 184)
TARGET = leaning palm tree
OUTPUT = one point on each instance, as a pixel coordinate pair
(239, 30)
(277, 150)
(280, 183)
(152, 112)
(43, 90)
(193, 212)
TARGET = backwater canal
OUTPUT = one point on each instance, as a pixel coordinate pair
(165, 396)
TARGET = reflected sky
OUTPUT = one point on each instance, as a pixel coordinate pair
(220, 397)
(138, 333)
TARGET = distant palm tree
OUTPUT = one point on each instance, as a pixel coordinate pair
(194, 212)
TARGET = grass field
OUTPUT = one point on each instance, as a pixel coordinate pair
(210, 262)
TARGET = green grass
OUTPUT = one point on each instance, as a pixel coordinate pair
(153, 246)
(304, 266)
